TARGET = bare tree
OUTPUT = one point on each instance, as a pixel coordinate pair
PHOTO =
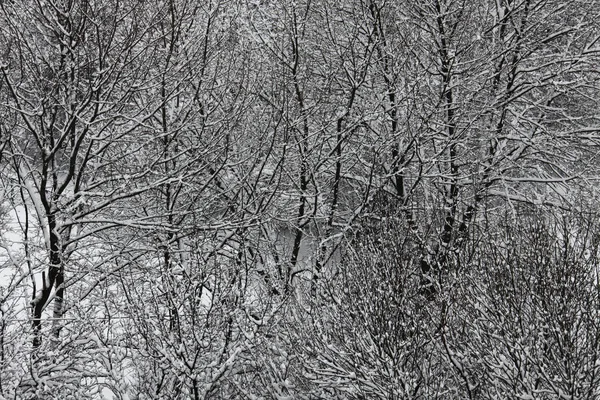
(307, 199)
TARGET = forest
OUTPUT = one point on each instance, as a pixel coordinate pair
(300, 199)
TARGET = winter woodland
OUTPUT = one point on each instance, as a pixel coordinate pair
(300, 199)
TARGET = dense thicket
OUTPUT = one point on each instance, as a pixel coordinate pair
(299, 199)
